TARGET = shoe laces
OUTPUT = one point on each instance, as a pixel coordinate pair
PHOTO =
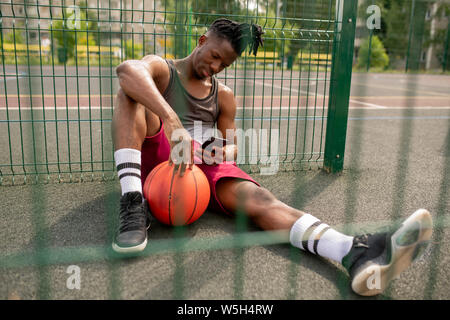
(132, 214)
(362, 241)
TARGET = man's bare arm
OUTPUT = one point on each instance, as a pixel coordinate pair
(137, 80)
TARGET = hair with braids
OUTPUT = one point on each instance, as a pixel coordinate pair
(240, 35)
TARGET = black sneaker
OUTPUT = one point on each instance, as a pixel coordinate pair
(133, 225)
(374, 260)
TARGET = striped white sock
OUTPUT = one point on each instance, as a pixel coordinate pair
(310, 234)
(128, 163)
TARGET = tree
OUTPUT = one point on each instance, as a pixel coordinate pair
(133, 49)
(309, 21)
(15, 36)
(206, 11)
(403, 38)
(377, 58)
(77, 26)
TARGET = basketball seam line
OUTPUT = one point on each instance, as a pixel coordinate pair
(196, 198)
(170, 195)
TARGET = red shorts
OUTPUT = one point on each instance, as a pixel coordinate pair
(156, 149)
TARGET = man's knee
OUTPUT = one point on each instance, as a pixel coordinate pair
(127, 109)
(263, 196)
(123, 101)
(259, 198)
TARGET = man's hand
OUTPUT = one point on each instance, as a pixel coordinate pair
(215, 154)
(181, 145)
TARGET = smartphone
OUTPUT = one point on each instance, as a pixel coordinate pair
(214, 141)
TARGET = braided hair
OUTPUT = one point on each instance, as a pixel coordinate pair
(240, 35)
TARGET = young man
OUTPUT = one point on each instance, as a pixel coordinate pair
(157, 105)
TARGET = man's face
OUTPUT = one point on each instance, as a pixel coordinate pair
(213, 55)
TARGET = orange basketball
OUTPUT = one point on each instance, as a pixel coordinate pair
(176, 200)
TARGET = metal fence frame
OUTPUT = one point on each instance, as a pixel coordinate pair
(46, 113)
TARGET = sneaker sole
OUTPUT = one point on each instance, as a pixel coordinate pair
(138, 248)
(407, 244)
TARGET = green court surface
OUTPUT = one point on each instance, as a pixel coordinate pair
(360, 151)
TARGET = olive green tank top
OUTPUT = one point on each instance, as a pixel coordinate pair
(194, 113)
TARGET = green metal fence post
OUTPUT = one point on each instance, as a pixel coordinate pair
(341, 75)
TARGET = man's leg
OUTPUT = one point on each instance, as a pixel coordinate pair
(371, 260)
(131, 123)
(259, 204)
(306, 231)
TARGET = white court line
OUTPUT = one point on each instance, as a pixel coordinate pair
(14, 77)
(424, 107)
(289, 89)
(415, 91)
(368, 104)
(319, 95)
(373, 105)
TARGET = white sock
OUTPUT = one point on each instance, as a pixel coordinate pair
(310, 234)
(128, 163)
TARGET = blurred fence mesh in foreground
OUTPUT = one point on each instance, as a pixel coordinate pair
(58, 87)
